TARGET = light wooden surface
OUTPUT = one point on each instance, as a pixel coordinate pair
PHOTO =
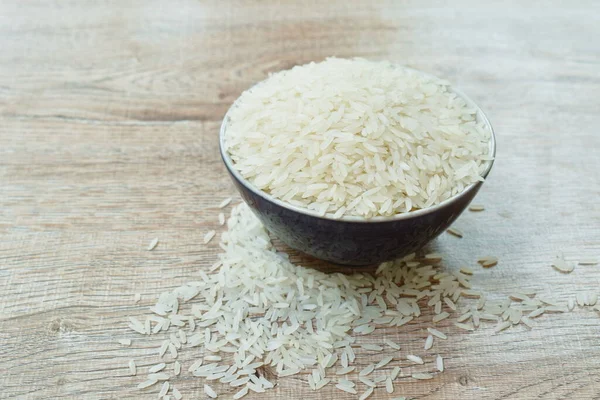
(109, 113)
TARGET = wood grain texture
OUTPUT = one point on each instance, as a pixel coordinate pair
(109, 114)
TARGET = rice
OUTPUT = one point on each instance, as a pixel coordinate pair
(440, 317)
(319, 385)
(366, 394)
(383, 362)
(209, 391)
(147, 383)
(439, 363)
(208, 237)
(561, 265)
(132, 367)
(393, 345)
(225, 202)
(488, 262)
(476, 207)
(347, 389)
(422, 376)
(177, 394)
(415, 359)
(344, 371)
(526, 321)
(502, 326)
(371, 347)
(159, 376)
(354, 134)
(367, 370)
(153, 244)
(455, 232)
(555, 309)
(157, 367)
(241, 393)
(389, 385)
(428, 342)
(125, 342)
(258, 309)
(173, 350)
(367, 381)
(466, 327)
(163, 390)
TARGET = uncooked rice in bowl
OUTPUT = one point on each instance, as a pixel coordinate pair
(356, 137)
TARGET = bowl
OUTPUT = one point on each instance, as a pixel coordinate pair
(353, 240)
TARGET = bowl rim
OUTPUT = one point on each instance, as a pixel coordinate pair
(481, 116)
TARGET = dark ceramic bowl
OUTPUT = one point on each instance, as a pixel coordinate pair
(354, 240)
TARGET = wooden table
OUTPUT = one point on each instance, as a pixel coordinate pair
(109, 113)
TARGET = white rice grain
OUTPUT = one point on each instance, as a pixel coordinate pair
(347, 389)
(389, 385)
(208, 236)
(225, 202)
(344, 371)
(132, 367)
(393, 345)
(209, 391)
(367, 381)
(367, 370)
(428, 342)
(163, 390)
(488, 262)
(476, 207)
(371, 347)
(240, 393)
(290, 115)
(455, 232)
(440, 317)
(437, 333)
(422, 376)
(177, 394)
(157, 367)
(502, 326)
(366, 394)
(415, 359)
(147, 383)
(439, 363)
(153, 244)
(384, 361)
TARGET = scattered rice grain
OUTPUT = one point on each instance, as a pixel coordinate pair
(210, 392)
(225, 202)
(153, 244)
(455, 232)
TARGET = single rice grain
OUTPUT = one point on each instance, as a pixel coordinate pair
(153, 244)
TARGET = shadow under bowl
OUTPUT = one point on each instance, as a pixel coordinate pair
(354, 240)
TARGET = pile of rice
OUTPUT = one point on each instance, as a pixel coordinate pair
(255, 317)
(356, 137)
